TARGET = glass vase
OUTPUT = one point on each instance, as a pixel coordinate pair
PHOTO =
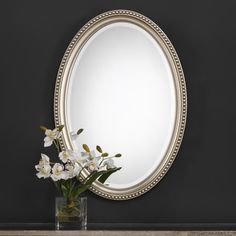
(71, 214)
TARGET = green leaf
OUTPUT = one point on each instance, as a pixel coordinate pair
(118, 155)
(60, 127)
(99, 149)
(71, 188)
(76, 185)
(43, 128)
(82, 189)
(64, 190)
(80, 131)
(105, 154)
(93, 176)
(86, 148)
(105, 176)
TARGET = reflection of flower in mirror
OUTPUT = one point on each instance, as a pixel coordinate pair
(82, 158)
(91, 160)
(109, 164)
(73, 135)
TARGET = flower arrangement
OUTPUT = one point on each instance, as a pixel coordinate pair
(67, 174)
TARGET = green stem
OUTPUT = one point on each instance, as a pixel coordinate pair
(55, 143)
(58, 144)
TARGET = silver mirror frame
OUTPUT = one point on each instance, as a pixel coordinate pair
(180, 88)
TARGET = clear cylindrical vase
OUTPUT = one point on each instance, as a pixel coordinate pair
(71, 214)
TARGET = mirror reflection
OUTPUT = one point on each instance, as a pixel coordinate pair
(121, 91)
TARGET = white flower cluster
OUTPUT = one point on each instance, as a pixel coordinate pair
(72, 161)
(66, 170)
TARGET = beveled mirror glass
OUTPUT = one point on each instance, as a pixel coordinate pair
(121, 80)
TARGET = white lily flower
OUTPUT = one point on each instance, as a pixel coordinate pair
(109, 164)
(68, 155)
(73, 169)
(50, 136)
(43, 171)
(58, 172)
(43, 168)
(44, 159)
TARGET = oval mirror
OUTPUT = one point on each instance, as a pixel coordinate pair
(121, 80)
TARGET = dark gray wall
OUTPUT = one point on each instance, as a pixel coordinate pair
(200, 187)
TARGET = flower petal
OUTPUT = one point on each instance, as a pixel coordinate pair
(47, 141)
(45, 158)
